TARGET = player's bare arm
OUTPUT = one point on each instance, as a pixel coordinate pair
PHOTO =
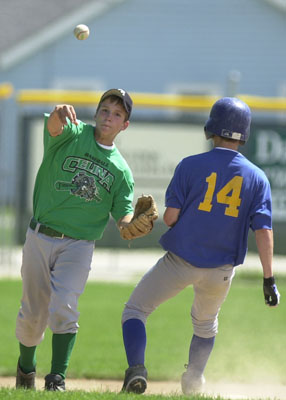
(264, 242)
(171, 216)
(58, 118)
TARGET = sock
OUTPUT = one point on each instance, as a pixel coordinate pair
(134, 337)
(62, 345)
(27, 360)
(200, 350)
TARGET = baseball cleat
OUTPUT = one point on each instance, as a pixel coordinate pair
(25, 381)
(192, 383)
(135, 380)
(54, 383)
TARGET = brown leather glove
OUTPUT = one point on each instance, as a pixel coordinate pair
(142, 222)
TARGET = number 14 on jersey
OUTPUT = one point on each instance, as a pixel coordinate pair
(229, 195)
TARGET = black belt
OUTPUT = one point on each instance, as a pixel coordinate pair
(46, 230)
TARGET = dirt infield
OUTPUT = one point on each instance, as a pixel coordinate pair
(226, 390)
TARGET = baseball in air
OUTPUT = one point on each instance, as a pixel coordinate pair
(81, 32)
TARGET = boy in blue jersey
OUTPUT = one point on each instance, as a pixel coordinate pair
(212, 201)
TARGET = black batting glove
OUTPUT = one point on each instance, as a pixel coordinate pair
(271, 294)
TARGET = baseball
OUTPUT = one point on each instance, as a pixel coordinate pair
(81, 32)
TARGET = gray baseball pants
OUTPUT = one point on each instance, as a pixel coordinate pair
(170, 276)
(54, 273)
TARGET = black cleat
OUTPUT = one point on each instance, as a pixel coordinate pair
(54, 383)
(25, 381)
(135, 379)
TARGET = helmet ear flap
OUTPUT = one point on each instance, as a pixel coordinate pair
(208, 134)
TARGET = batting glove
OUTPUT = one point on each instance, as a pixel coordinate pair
(271, 294)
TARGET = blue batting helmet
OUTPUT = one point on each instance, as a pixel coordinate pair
(229, 118)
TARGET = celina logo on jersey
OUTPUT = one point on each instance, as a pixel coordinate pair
(104, 177)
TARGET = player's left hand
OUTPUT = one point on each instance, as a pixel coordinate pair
(142, 222)
(271, 294)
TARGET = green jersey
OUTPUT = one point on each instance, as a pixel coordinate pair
(80, 184)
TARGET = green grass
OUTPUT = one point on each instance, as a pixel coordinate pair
(250, 343)
(75, 395)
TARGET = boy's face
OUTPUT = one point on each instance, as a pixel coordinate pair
(110, 120)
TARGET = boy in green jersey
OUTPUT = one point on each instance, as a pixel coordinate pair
(83, 179)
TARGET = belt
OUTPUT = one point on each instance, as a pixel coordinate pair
(46, 230)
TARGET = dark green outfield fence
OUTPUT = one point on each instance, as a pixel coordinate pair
(267, 149)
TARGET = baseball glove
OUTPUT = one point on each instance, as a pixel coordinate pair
(142, 222)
